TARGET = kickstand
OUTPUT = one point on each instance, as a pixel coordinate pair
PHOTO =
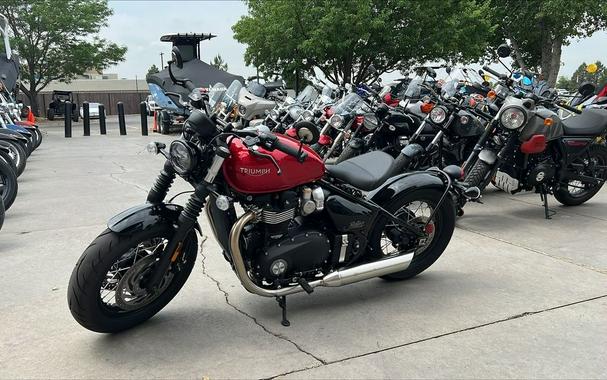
(544, 197)
(282, 302)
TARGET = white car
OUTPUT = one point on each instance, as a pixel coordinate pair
(93, 111)
(151, 105)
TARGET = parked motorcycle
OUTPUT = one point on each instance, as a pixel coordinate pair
(302, 225)
(527, 147)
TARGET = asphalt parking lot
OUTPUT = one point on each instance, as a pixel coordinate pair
(513, 296)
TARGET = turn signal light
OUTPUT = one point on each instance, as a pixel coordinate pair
(426, 107)
(491, 95)
(548, 122)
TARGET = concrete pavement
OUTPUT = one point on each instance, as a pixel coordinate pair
(513, 296)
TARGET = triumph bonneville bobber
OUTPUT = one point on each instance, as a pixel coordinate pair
(303, 224)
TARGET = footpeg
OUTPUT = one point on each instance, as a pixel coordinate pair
(304, 285)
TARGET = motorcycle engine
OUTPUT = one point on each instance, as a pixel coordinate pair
(289, 241)
(540, 171)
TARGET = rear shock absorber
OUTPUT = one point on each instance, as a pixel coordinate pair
(162, 184)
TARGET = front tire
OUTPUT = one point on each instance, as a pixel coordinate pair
(404, 206)
(8, 184)
(480, 175)
(104, 268)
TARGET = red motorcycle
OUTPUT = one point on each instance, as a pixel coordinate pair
(302, 224)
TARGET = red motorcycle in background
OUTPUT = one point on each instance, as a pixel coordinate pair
(302, 224)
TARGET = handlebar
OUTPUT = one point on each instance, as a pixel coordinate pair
(300, 155)
(495, 73)
(568, 108)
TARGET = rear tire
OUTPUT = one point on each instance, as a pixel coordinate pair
(20, 156)
(443, 226)
(8, 181)
(39, 137)
(50, 114)
(91, 273)
(1, 213)
(164, 122)
(480, 175)
(7, 158)
(563, 193)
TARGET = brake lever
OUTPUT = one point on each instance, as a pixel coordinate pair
(254, 151)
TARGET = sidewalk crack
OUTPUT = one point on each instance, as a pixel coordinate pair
(252, 318)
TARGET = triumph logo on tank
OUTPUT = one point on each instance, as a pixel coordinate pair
(256, 172)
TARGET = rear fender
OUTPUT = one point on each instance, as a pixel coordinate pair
(406, 183)
(144, 216)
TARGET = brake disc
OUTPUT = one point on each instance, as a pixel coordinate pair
(130, 295)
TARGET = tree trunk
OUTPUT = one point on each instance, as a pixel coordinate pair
(546, 61)
(32, 95)
(555, 64)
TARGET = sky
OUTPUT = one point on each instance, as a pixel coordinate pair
(139, 25)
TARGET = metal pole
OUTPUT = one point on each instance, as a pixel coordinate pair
(102, 119)
(121, 121)
(87, 119)
(68, 119)
(144, 118)
(161, 61)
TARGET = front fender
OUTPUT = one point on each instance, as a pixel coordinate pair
(405, 183)
(144, 216)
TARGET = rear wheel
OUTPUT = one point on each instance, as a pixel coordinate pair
(6, 157)
(50, 114)
(1, 213)
(164, 122)
(17, 154)
(576, 192)
(416, 207)
(106, 292)
(8, 184)
(39, 137)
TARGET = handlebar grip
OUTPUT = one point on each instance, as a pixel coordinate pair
(495, 73)
(569, 108)
(300, 155)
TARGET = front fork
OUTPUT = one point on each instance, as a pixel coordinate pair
(189, 215)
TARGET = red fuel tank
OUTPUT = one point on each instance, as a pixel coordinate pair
(249, 174)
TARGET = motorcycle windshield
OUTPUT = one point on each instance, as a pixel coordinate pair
(327, 91)
(413, 89)
(231, 96)
(256, 89)
(349, 104)
(460, 76)
(216, 94)
(308, 95)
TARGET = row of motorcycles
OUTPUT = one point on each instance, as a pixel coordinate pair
(334, 186)
(19, 137)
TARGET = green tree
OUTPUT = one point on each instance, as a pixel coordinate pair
(343, 38)
(153, 70)
(58, 39)
(538, 29)
(219, 63)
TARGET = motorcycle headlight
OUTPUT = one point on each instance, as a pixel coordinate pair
(182, 156)
(274, 114)
(513, 118)
(307, 115)
(242, 110)
(438, 115)
(336, 121)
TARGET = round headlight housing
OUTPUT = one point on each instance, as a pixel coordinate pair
(371, 121)
(438, 115)
(513, 118)
(182, 156)
(274, 114)
(336, 121)
(242, 110)
(308, 115)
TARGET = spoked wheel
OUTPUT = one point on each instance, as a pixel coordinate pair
(576, 192)
(417, 207)
(107, 290)
(8, 184)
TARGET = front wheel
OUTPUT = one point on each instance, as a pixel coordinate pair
(8, 184)
(107, 292)
(480, 175)
(576, 192)
(415, 207)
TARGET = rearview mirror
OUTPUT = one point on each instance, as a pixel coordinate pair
(503, 51)
(431, 72)
(586, 89)
(177, 57)
(307, 132)
(448, 69)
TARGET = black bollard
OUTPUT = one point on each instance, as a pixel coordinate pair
(86, 122)
(102, 119)
(143, 110)
(121, 121)
(68, 119)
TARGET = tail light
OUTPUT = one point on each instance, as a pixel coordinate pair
(359, 120)
(536, 144)
(325, 140)
(291, 132)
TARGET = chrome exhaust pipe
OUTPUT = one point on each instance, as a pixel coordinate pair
(338, 278)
